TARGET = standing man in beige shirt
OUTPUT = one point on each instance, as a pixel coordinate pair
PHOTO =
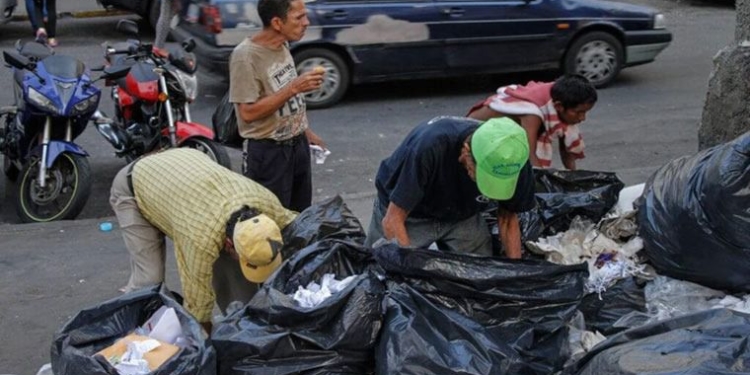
(270, 105)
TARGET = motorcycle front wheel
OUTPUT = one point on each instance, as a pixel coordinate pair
(214, 150)
(65, 192)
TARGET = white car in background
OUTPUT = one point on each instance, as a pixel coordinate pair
(6, 10)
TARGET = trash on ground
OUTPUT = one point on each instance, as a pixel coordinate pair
(314, 294)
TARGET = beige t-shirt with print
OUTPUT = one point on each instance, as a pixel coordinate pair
(256, 71)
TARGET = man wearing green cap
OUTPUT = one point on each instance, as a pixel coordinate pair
(433, 188)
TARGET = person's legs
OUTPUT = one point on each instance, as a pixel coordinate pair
(163, 24)
(302, 181)
(144, 242)
(51, 7)
(467, 236)
(375, 230)
(270, 165)
(34, 8)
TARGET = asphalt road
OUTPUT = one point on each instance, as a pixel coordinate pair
(646, 118)
(48, 272)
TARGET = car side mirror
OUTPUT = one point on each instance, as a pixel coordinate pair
(189, 45)
(18, 61)
(115, 72)
(128, 27)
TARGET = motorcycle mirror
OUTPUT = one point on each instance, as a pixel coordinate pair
(128, 27)
(115, 72)
(189, 45)
(18, 61)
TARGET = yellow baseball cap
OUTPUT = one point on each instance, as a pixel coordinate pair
(258, 243)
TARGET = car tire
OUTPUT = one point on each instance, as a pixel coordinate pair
(597, 55)
(335, 82)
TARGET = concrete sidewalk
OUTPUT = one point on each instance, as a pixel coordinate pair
(71, 9)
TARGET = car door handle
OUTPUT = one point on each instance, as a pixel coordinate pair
(453, 11)
(338, 13)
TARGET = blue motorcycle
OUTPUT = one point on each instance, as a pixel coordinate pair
(54, 99)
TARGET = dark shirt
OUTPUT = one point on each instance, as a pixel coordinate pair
(425, 178)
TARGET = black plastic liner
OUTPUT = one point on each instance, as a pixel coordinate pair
(272, 334)
(708, 342)
(96, 328)
(694, 217)
(450, 313)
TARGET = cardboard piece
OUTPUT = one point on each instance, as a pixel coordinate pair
(155, 358)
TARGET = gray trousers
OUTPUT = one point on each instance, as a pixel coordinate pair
(147, 248)
(466, 236)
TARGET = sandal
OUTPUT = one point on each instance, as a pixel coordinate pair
(41, 35)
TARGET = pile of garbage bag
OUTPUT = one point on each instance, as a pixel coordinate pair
(75, 346)
(451, 313)
(694, 217)
(275, 334)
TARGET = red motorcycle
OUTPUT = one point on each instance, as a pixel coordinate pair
(152, 103)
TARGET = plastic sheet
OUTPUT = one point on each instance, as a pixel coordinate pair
(694, 217)
(224, 121)
(96, 328)
(272, 334)
(328, 219)
(709, 342)
(451, 313)
(562, 195)
(601, 312)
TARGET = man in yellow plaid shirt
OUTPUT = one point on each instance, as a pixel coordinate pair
(204, 208)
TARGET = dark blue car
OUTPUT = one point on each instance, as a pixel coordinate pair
(376, 40)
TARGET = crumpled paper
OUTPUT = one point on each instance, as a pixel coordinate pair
(132, 362)
(314, 294)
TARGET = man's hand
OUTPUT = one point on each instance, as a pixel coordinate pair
(314, 139)
(207, 326)
(308, 81)
(394, 225)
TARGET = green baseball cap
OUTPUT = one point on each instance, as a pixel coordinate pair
(501, 149)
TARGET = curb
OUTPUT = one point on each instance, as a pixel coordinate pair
(79, 14)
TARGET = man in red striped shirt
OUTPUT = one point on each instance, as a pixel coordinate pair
(547, 111)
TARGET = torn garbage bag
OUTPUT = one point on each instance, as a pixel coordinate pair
(602, 311)
(709, 342)
(273, 334)
(694, 217)
(562, 195)
(450, 313)
(329, 219)
(96, 328)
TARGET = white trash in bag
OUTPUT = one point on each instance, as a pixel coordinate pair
(314, 294)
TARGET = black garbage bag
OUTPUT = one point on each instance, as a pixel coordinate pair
(329, 219)
(562, 195)
(708, 342)
(601, 312)
(273, 334)
(450, 313)
(96, 328)
(694, 219)
(224, 121)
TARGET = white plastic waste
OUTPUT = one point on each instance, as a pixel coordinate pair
(314, 294)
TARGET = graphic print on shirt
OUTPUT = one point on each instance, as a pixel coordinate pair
(292, 114)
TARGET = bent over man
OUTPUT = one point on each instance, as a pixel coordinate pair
(432, 188)
(212, 215)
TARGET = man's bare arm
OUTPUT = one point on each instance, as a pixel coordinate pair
(394, 224)
(510, 233)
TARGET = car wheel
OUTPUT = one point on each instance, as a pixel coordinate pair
(597, 56)
(335, 82)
